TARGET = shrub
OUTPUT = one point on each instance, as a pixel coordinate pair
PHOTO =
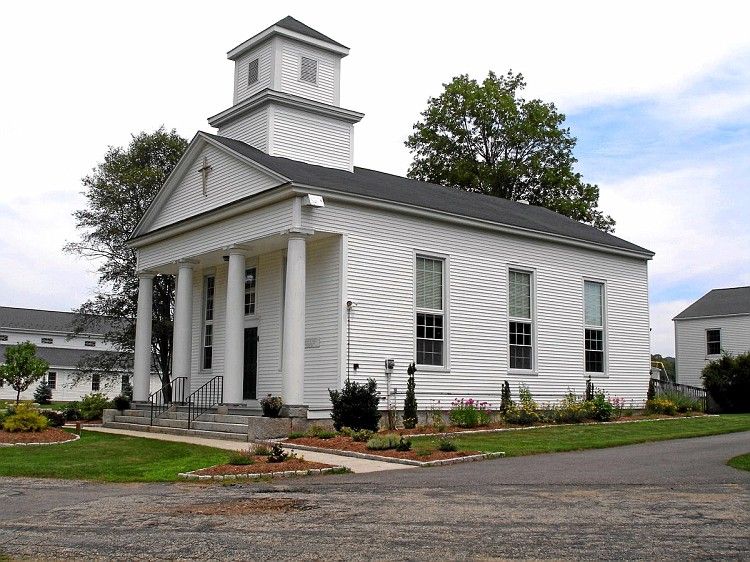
(571, 410)
(447, 445)
(361, 436)
(261, 450)
(469, 413)
(661, 406)
(121, 403)
(651, 392)
(383, 442)
(356, 405)
(92, 406)
(277, 454)
(127, 389)
(435, 418)
(25, 418)
(403, 445)
(505, 398)
(271, 406)
(601, 408)
(241, 458)
(525, 412)
(682, 402)
(320, 432)
(43, 393)
(410, 402)
(589, 390)
(727, 380)
(54, 419)
(72, 412)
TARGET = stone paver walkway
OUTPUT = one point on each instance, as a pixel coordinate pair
(354, 464)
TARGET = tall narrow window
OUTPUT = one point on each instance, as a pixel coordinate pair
(308, 70)
(594, 326)
(95, 382)
(252, 72)
(520, 324)
(713, 342)
(430, 311)
(208, 322)
(52, 380)
(250, 275)
(125, 384)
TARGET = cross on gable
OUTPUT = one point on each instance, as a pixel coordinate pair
(204, 174)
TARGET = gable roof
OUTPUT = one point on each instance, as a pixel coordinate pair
(719, 302)
(298, 27)
(59, 356)
(387, 187)
(48, 321)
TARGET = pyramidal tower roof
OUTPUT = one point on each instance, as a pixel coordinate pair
(298, 27)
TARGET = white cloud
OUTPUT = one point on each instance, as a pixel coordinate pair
(662, 327)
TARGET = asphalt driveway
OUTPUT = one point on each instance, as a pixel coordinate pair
(668, 500)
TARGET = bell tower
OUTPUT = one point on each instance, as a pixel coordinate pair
(286, 99)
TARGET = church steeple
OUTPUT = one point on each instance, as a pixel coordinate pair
(287, 96)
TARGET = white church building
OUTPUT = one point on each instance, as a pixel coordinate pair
(296, 269)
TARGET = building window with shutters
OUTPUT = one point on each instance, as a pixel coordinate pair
(713, 342)
(308, 70)
(208, 323)
(52, 380)
(430, 311)
(594, 341)
(520, 320)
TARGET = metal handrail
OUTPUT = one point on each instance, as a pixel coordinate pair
(205, 398)
(695, 392)
(163, 398)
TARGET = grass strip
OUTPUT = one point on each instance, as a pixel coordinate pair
(535, 441)
(107, 457)
(742, 462)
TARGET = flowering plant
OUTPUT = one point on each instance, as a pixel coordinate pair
(467, 412)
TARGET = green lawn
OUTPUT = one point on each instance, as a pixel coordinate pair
(109, 458)
(742, 462)
(578, 437)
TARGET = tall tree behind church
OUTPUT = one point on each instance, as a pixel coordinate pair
(484, 137)
(118, 192)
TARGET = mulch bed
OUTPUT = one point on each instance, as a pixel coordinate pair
(49, 435)
(261, 466)
(343, 443)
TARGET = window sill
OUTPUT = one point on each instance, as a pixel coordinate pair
(523, 372)
(432, 369)
(596, 375)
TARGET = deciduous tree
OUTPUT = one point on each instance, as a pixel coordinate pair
(22, 367)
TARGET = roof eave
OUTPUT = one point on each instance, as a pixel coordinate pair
(255, 40)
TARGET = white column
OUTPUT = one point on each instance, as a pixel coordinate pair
(143, 321)
(293, 354)
(182, 334)
(234, 338)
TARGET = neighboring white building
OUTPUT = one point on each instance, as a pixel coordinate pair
(717, 323)
(295, 269)
(53, 334)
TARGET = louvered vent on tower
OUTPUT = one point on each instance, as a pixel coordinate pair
(309, 70)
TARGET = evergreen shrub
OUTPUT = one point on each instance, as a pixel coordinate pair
(356, 406)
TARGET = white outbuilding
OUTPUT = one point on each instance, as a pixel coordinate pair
(296, 269)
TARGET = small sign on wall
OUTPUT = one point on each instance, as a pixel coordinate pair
(312, 343)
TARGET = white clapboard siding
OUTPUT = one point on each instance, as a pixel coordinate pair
(243, 90)
(187, 199)
(324, 90)
(269, 291)
(258, 223)
(251, 129)
(311, 138)
(199, 376)
(380, 280)
(690, 343)
(59, 340)
(72, 386)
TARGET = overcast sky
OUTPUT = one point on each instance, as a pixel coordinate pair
(657, 93)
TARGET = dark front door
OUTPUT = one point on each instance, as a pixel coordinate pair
(251, 364)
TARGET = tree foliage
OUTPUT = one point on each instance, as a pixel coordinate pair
(727, 380)
(22, 367)
(410, 400)
(118, 192)
(485, 137)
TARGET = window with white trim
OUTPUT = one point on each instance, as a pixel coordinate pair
(308, 70)
(208, 322)
(52, 380)
(250, 277)
(520, 320)
(593, 295)
(713, 342)
(430, 314)
(252, 72)
(95, 382)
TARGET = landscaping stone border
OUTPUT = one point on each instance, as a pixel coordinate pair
(76, 437)
(396, 460)
(257, 475)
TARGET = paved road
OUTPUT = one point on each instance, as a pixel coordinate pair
(670, 500)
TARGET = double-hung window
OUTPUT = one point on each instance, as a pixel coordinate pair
(250, 275)
(52, 380)
(430, 320)
(208, 322)
(713, 342)
(593, 294)
(96, 382)
(520, 320)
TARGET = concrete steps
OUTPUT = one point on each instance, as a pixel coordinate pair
(178, 431)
